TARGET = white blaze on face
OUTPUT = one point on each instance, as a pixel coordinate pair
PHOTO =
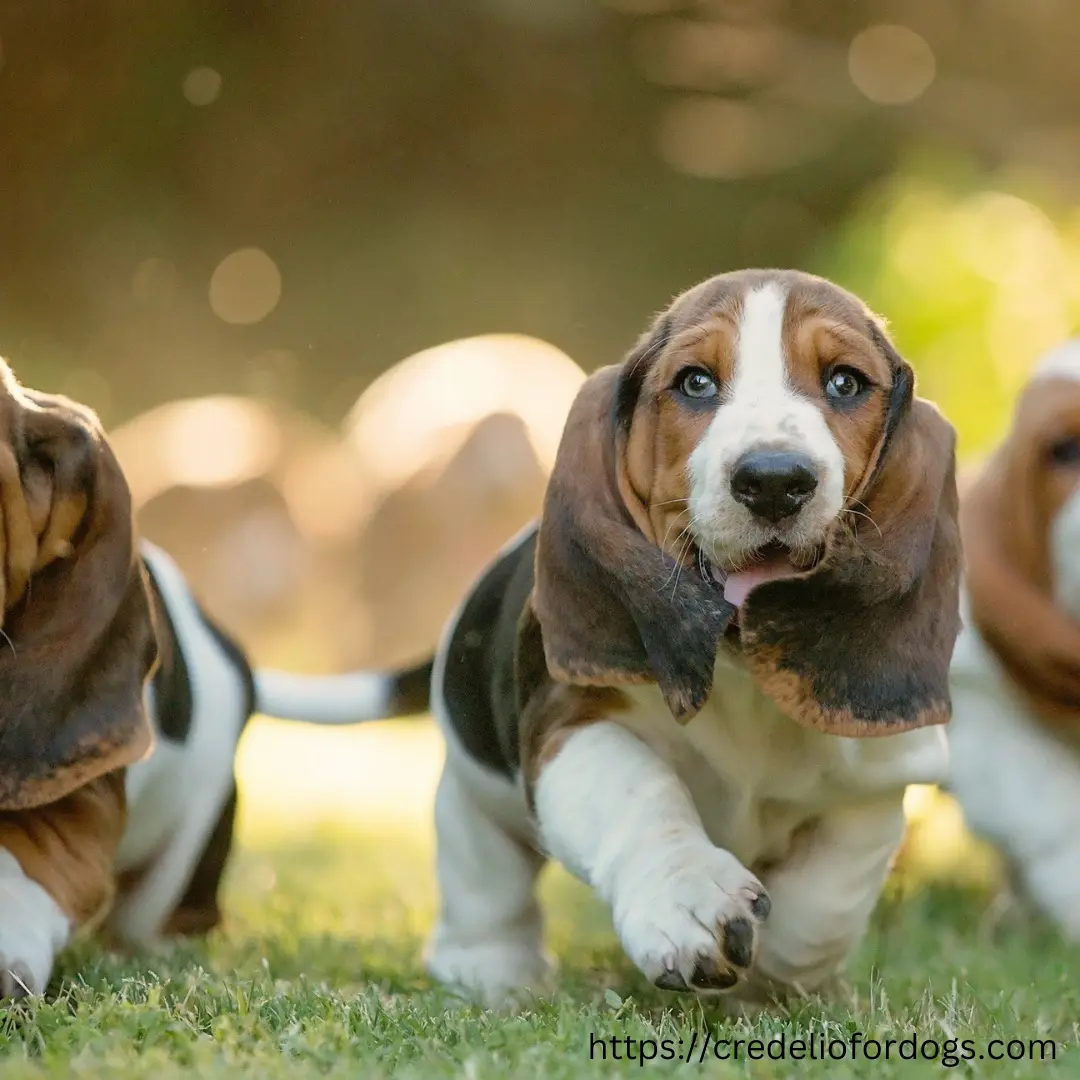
(761, 409)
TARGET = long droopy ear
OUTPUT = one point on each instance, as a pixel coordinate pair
(1008, 568)
(861, 644)
(78, 641)
(612, 607)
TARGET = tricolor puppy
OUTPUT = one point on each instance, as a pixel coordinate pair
(703, 682)
(1016, 670)
(121, 706)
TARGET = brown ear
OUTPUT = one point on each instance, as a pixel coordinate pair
(861, 645)
(1008, 574)
(612, 606)
(78, 642)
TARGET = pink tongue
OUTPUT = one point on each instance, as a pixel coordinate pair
(738, 585)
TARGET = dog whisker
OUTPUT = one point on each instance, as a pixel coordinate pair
(860, 514)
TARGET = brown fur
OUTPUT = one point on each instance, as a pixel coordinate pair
(79, 635)
(904, 572)
(68, 847)
(823, 326)
(859, 645)
(553, 714)
(1006, 517)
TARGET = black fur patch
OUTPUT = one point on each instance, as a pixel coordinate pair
(810, 622)
(410, 691)
(479, 684)
(172, 681)
(235, 654)
(199, 909)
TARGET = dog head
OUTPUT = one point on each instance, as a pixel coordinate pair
(77, 642)
(1021, 526)
(759, 458)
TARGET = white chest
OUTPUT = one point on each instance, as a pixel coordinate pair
(756, 776)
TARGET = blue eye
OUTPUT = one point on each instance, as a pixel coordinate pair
(845, 383)
(696, 382)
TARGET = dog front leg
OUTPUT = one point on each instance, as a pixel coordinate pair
(56, 877)
(616, 815)
(825, 891)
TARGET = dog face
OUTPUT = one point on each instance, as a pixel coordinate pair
(1051, 424)
(709, 474)
(766, 397)
(1021, 521)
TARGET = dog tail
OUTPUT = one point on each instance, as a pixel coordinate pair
(353, 698)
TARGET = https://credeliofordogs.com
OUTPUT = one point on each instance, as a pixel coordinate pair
(698, 1047)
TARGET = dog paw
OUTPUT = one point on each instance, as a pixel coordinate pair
(494, 972)
(16, 980)
(693, 926)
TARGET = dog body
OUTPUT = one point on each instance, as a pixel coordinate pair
(181, 800)
(811, 819)
(121, 706)
(1015, 733)
(696, 683)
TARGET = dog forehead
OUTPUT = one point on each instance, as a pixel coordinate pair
(804, 295)
(1048, 407)
(1061, 362)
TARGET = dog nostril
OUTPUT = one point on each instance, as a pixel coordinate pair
(773, 484)
(803, 482)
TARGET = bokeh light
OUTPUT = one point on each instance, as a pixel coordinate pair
(891, 65)
(728, 140)
(202, 85)
(696, 54)
(423, 408)
(245, 287)
(209, 441)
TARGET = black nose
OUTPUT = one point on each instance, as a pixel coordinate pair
(773, 484)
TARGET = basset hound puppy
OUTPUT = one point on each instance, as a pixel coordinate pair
(121, 705)
(704, 679)
(1015, 733)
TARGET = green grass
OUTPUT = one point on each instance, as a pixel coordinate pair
(318, 973)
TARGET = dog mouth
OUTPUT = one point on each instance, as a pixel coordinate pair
(773, 561)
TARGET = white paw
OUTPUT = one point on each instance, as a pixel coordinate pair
(691, 923)
(16, 979)
(492, 971)
(33, 929)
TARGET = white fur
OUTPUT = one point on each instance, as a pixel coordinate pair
(615, 813)
(761, 409)
(488, 934)
(1060, 362)
(331, 699)
(176, 795)
(1017, 783)
(33, 929)
(675, 826)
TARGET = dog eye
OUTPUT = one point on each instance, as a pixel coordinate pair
(845, 383)
(1066, 452)
(696, 382)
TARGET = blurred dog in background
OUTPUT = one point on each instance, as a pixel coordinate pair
(1015, 732)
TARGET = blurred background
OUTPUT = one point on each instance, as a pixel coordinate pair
(332, 272)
